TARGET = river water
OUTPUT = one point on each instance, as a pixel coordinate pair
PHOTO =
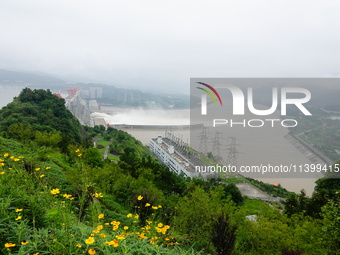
(7, 93)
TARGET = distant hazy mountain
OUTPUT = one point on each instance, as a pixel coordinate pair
(111, 95)
(16, 78)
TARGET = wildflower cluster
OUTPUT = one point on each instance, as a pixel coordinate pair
(114, 234)
(6, 163)
(19, 216)
(79, 154)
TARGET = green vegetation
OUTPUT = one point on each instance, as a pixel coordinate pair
(40, 116)
(64, 199)
(273, 190)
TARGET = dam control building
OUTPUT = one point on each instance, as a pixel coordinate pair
(176, 155)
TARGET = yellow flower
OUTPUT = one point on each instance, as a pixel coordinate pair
(103, 235)
(2, 172)
(98, 194)
(96, 231)
(48, 168)
(18, 210)
(36, 253)
(79, 155)
(37, 169)
(152, 242)
(136, 216)
(115, 227)
(78, 245)
(160, 225)
(147, 204)
(18, 218)
(16, 159)
(67, 196)
(126, 227)
(149, 221)
(90, 240)
(129, 215)
(77, 150)
(92, 251)
(12, 157)
(114, 242)
(55, 191)
(163, 230)
(142, 236)
(2, 164)
(41, 176)
(6, 155)
(159, 206)
(116, 223)
(24, 242)
(120, 237)
(101, 216)
(9, 245)
(139, 197)
(154, 207)
(100, 227)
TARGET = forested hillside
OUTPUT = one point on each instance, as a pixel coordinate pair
(40, 116)
(57, 196)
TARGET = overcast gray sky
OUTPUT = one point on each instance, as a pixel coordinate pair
(161, 44)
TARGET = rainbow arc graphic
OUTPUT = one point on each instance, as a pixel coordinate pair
(213, 98)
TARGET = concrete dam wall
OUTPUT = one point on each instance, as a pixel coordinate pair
(79, 107)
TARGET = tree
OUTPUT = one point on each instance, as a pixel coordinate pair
(40, 110)
(45, 138)
(223, 235)
(232, 190)
(331, 215)
(93, 158)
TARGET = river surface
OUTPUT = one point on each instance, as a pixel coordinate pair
(7, 93)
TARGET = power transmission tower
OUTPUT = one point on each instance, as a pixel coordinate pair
(216, 147)
(203, 147)
(232, 152)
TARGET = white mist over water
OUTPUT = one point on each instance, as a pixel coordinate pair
(140, 116)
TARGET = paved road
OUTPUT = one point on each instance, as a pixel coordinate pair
(250, 191)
